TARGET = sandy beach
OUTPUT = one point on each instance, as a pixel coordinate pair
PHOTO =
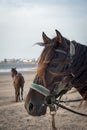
(13, 116)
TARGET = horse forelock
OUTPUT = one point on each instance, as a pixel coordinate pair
(45, 57)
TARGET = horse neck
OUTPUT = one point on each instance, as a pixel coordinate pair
(80, 70)
(80, 59)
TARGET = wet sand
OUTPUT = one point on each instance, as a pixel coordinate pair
(13, 116)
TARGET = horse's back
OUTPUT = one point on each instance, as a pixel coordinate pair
(19, 80)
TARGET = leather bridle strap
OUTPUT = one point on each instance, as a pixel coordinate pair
(61, 51)
(39, 88)
(71, 50)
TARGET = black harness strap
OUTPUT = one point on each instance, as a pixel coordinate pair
(75, 100)
(57, 103)
(75, 112)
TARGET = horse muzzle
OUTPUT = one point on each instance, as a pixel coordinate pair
(35, 110)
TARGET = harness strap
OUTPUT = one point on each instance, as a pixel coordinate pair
(44, 91)
(61, 51)
(75, 112)
(72, 49)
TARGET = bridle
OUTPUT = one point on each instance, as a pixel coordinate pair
(59, 90)
(46, 92)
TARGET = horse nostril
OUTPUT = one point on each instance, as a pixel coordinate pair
(30, 107)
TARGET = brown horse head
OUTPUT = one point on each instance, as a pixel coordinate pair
(13, 72)
(58, 59)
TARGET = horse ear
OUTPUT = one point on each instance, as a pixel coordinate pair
(59, 36)
(40, 44)
(45, 38)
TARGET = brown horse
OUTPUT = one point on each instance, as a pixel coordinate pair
(18, 81)
(62, 65)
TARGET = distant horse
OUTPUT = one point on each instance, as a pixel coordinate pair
(62, 62)
(18, 81)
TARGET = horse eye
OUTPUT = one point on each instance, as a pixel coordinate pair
(53, 65)
(56, 55)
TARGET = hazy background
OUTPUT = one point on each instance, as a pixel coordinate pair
(23, 21)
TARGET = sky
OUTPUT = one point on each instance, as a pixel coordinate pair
(23, 21)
